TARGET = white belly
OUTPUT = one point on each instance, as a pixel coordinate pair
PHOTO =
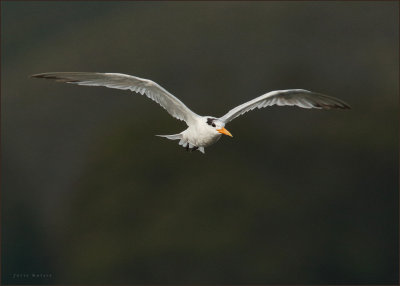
(200, 137)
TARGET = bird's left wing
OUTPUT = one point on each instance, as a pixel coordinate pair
(293, 97)
(154, 91)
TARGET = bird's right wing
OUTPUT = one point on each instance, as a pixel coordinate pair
(152, 90)
(297, 97)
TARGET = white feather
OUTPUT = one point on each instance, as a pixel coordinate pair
(200, 132)
(298, 97)
(154, 91)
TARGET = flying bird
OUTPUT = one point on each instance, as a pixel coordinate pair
(202, 131)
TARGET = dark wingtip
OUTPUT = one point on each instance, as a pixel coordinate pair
(54, 77)
(343, 106)
(43, 75)
(335, 103)
(334, 106)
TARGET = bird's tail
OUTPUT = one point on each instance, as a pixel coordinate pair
(172, 137)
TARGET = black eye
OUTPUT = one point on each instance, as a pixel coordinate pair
(213, 125)
(210, 121)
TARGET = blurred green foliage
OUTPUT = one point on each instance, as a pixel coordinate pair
(90, 195)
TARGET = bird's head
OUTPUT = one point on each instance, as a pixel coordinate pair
(217, 125)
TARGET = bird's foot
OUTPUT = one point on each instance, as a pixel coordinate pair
(194, 148)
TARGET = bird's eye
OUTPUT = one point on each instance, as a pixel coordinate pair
(213, 125)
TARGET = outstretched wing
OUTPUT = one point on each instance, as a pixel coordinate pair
(298, 97)
(152, 90)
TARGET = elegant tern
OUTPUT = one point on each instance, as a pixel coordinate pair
(202, 131)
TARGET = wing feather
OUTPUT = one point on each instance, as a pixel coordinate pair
(291, 97)
(152, 90)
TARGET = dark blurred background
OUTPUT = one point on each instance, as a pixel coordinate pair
(90, 195)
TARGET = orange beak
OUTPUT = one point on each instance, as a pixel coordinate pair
(224, 131)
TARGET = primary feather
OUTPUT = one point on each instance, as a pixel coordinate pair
(298, 97)
(152, 90)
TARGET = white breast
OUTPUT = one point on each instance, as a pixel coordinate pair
(200, 135)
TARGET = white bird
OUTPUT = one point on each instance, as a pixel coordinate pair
(202, 131)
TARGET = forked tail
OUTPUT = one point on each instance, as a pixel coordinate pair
(172, 137)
